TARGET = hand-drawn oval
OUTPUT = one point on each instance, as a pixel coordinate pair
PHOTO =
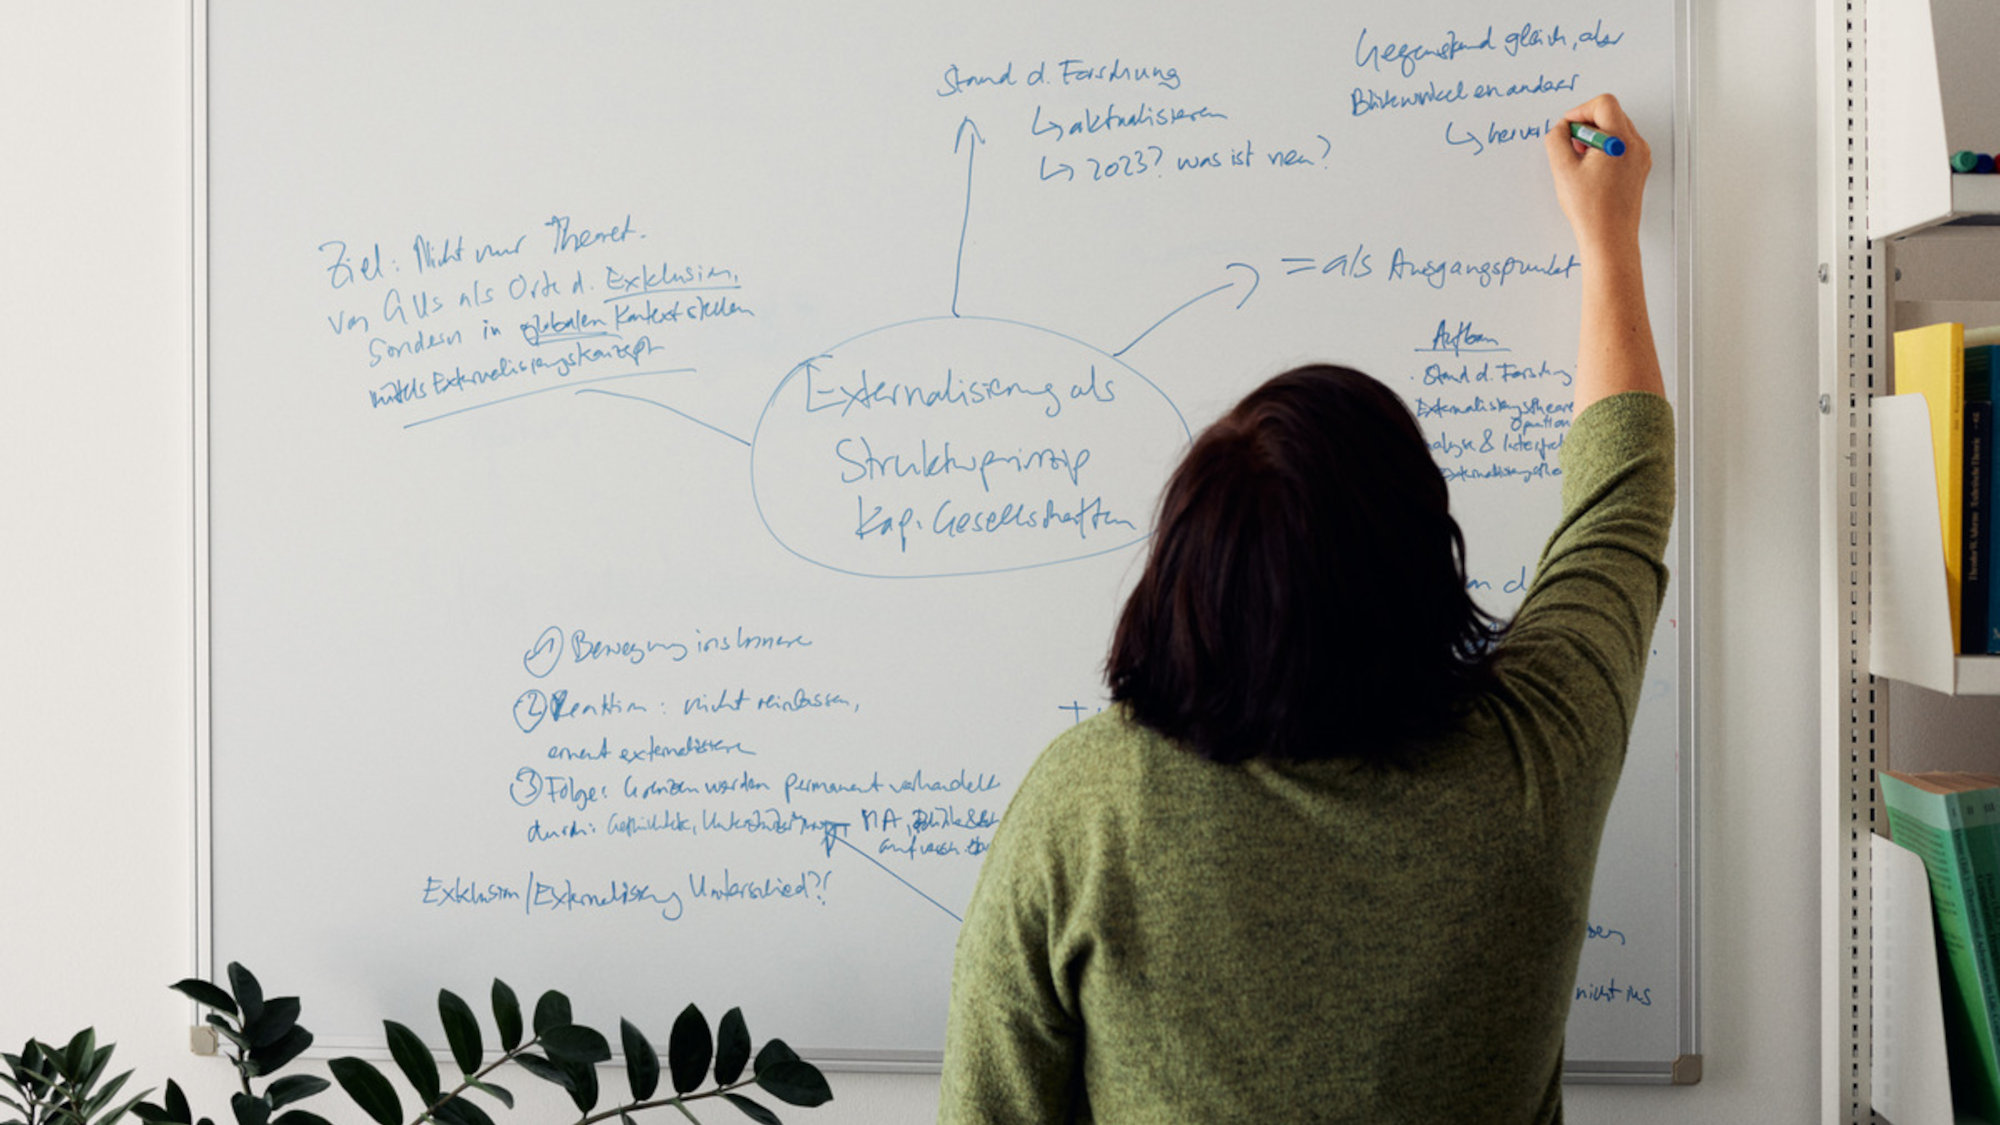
(961, 445)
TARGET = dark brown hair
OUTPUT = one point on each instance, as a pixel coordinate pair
(1304, 596)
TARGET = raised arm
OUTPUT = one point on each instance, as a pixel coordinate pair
(1601, 195)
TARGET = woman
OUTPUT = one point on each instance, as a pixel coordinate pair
(1329, 858)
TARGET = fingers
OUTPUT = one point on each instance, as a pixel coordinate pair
(1562, 148)
(1600, 194)
(1604, 114)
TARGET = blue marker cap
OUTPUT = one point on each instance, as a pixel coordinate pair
(1603, 142)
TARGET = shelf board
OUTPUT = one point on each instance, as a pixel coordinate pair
(1975, 675)
(1910, 634)
(1974, 197)
(1911, 1081)
(1931, 89)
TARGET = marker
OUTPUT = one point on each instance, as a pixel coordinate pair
(1603, 142)
(1965, 160)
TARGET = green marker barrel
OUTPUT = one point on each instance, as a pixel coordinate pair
(1603, 142)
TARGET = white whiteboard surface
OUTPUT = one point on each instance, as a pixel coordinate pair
(672, 467)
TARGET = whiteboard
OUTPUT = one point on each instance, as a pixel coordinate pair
(669, 468)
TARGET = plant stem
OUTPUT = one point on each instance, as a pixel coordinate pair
(242, 1072)
(506, 1057)
(639, 1107)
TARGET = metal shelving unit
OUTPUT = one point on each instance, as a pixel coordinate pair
(1853, 714)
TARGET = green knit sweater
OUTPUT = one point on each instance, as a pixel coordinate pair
(1156, 937)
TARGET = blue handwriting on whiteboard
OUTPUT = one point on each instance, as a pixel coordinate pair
(618, 894)
(536, 895)
(1087, 515)
(1462, 337)
(531, 786)
(798, 700)
(809, 886)
(1090, 121)
(580, 646)
(1436, 272)
(1448, 46)
(801, 785)
(570, 238)
(1076, 71)
(949, 391)
(1611, 992)
(532, 707)
(861, 462)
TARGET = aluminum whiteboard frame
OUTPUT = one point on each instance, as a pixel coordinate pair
(1684, 1069)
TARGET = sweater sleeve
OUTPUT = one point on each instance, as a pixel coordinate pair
(1013, 1045)
(1576, 651)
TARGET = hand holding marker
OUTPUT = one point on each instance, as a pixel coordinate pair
(1603, 142)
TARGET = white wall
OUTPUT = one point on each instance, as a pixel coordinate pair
(95, 566)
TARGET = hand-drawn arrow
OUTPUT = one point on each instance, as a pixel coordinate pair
(971, 150)
(1254, 278)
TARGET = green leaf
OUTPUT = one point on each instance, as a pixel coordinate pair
(414, 1059)
(542, 1068)
(249, 994)
(177, 1103)
(753, 1110)
(732, 1047)
(774, 1053)
(642, 1062)
(498, 1093)
(582, 1083)
(250, 1110)
(461, 1031)
(279, 1016)
(690, 1048)
(575, 1043)
(795, 1082)
(95, 1103)
(506, 1015)
(369, 1088)
(93, 1067)
(552, 1010)
(228, 1030)
(458, 1111)
(148, 1112)
(299, 1117)
(290, 1045)
(202, 992)
(74, 1058)
(296, 1088)
(115, 1114)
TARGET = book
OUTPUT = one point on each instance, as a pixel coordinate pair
(1980, 361)
(1952, 822)
(1975, 606)
(1930, 361)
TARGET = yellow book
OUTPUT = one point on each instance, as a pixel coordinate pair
(1931, 361)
